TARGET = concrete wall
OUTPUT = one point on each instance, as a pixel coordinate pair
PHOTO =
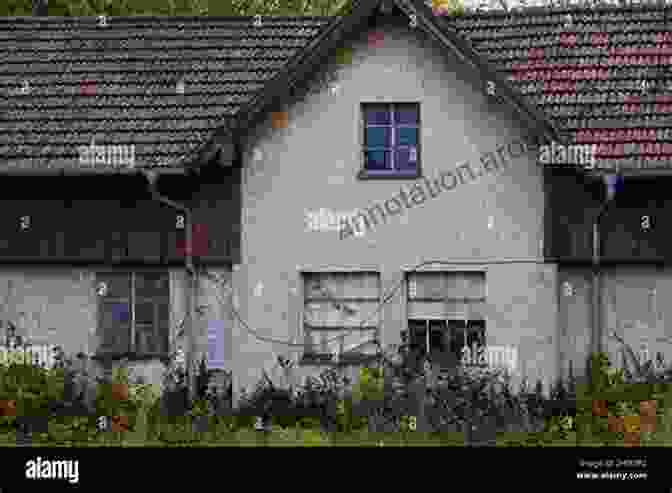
(636, 305)
(313, 164)
(62, 298)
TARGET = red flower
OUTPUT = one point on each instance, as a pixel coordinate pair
(616, 424)
(600, 408)
(648, 408)
(631, 439)
(119, 392)
(120, 423)
(647, 411)
(8, 408)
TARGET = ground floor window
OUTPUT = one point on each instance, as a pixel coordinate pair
(341, 319)
(443, 341)
(445, 315)
(133, 313)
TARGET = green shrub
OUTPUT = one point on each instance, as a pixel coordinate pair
(32, 388)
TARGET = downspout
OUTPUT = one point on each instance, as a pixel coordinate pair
(596, 306)
(189, 264)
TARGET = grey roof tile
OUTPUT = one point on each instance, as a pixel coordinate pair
(586, 76)
(133, 68)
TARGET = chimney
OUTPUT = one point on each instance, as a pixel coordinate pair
(40, 8)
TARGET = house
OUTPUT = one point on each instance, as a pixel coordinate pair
(372, 177)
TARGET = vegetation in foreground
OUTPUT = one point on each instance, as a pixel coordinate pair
(395, 403)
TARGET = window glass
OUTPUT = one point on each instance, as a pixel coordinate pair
(378, 160)
(120, 312)
(145, 313)
(152, 312)
(378, 114)
(406, 114)
(378, 137)
(149, 284)
(406, 136)
(402, 160)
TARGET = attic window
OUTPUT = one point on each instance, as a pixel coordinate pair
(391, 140)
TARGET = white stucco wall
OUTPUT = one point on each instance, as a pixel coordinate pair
(313, 164)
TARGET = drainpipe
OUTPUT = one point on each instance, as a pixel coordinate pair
(597, 298)
(596, 306)
(189, 265)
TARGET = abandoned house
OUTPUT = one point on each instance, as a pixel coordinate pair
(346, 181)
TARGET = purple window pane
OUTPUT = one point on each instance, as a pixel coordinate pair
(405, 160)
(121, 313)
(378, 115)
(407, 136)
(406, 114)
(378, 137)
(377, 160)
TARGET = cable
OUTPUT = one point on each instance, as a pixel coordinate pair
(386, 300)
(286, 343)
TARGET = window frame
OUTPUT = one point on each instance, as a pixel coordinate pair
(321, 359)
(392, 173)
(132, 352)
(448, 318)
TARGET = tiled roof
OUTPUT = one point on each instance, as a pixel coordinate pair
(585, 76)
(132, 68)
(602, 77)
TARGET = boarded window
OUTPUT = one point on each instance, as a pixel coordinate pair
(341, 315)
(134, 313)
(446, 295)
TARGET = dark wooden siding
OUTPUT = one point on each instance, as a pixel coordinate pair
(216, 202)
(85, 234)
(572, 205)
(217, 210)
(113, 219)
(624, 237)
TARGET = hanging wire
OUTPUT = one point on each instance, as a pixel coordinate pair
(374, 340)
